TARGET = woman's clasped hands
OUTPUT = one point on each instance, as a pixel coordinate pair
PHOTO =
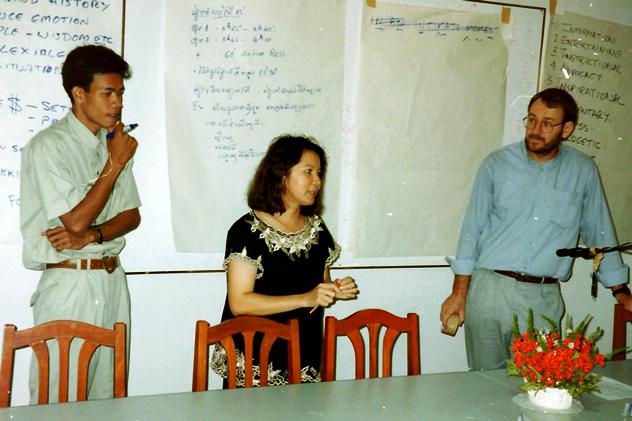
(327, 292)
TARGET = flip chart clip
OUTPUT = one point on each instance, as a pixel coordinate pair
(505, 15)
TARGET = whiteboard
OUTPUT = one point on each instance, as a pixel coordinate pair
(592, 59)
(35, 37)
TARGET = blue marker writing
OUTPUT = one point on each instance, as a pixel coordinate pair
(126, 129)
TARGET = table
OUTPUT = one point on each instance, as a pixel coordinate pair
(448, 396)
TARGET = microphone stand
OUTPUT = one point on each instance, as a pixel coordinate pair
(591, 253)
(597, 255)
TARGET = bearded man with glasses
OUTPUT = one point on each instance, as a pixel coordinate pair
(529, 199)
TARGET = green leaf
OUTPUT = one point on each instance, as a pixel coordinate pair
(553, 326)
(568, 326)
(596, 335)
(515, 329)
(581, 329)
(616, 351)
(530, 328)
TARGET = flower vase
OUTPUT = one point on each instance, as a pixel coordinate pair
(551, 398)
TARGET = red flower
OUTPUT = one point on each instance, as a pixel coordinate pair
(549, 360)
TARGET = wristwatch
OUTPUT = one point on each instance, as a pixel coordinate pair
(623, 290)
(100, 234)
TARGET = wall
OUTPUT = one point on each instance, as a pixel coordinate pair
(166, 306)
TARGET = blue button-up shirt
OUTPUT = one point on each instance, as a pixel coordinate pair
(521, 212)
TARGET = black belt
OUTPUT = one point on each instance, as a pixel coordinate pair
(521, 277)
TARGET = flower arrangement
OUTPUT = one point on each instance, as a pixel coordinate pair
(556, 359)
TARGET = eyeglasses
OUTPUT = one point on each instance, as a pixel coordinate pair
(546, 125)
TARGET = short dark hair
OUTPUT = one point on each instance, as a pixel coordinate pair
(265, 192)
(555, 97)
(84, 62)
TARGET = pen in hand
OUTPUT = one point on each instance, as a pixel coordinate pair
(338, 284)
(125, 129)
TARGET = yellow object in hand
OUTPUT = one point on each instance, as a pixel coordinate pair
(452, 325)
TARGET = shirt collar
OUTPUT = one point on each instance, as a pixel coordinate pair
(551, 163)
(83, 134)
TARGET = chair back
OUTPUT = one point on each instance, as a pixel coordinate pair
(64, 331)
(621, 317)
(246, 326)
(372, 320)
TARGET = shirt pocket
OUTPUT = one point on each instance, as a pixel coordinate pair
(561, 208)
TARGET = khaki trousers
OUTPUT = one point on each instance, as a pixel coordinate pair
(492, 300)
(91, 296)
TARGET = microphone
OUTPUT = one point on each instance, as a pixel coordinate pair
(583, 252)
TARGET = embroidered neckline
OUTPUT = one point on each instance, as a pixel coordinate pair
(292, 244)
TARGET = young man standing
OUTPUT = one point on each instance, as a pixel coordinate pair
(529, 199)
(79, 199)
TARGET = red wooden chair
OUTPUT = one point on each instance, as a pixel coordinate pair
(247, 326)
(621, 317)
(373, 320)
(64, 331)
